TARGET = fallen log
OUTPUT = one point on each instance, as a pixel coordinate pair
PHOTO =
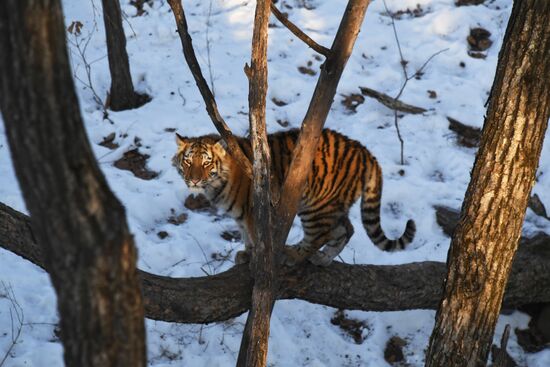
(359, 287)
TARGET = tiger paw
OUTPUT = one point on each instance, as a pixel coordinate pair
(320, 259)
(242, 257)
(293, 255)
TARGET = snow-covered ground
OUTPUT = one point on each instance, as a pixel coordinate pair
(436, 169)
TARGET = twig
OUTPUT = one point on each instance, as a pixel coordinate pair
(205, 258)
(211, 106)
(16, 308)
(317, 112)
(299, 33)
(404, 63)
(183, 100)
(81, 45)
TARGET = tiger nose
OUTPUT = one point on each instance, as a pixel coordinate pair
(195, 180)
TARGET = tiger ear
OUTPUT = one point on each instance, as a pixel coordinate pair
(181, 141)
(219, 148)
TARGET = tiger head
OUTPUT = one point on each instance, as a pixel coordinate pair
(201, 161)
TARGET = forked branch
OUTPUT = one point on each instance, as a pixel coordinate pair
(211, 106)
(298, 32)
(317, 113)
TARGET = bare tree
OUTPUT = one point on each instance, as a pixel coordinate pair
(79, 224)
(486, 239)
(122, 95)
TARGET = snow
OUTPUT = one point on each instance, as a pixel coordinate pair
(437, 171)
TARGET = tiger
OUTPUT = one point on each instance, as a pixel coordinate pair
(342, 170)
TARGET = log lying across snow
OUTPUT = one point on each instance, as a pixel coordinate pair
(359, 287)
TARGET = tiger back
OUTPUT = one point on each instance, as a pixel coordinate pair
(342, 171)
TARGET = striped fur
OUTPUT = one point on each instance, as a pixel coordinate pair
(342, 171)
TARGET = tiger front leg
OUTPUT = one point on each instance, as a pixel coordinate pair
(243, 256)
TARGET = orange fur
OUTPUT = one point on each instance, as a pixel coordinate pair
(342, 171)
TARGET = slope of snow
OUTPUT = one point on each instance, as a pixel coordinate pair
(436, 169)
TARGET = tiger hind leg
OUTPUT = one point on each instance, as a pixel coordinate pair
(329, 227)
(341, 235)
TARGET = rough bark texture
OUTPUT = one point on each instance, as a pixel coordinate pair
(211, 106)
(356, 287)
(254, 344)
(79, 224)
(122, 95)
(487, 235)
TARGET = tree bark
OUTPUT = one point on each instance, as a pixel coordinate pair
(486, 239)
(122, 95)
(81, 228)
(316, 115)
(254, 343)
(355, 287)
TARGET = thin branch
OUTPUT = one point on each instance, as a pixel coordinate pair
(16, 308)
(298, 32)
(208, 48)
(81, 49)
(403, 64)
(403, 61)
(419, 71)
(211, 106)
(316, 115)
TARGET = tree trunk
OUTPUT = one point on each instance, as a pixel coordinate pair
(79, 224)
(254, 344)
(486, 238)
(122, 95)
(226, 295)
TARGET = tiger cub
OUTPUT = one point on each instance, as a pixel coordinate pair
(341, 172)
